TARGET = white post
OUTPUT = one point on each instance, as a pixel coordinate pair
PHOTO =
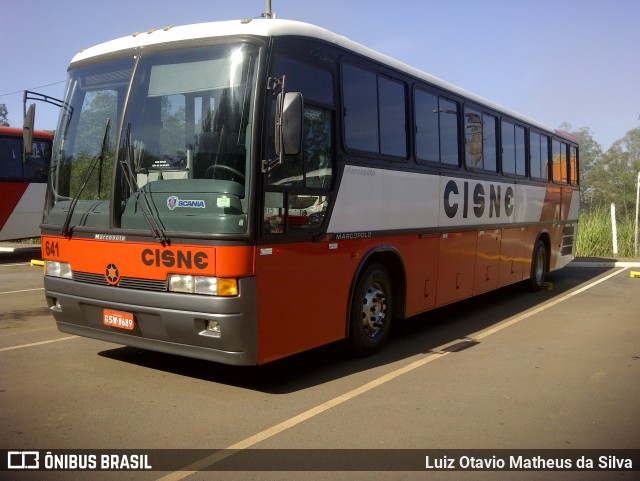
(614, 228)
(635, 235)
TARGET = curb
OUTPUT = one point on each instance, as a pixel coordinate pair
(604, 263)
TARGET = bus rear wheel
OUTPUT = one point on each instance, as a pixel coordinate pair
(539, 267)
(371, 308)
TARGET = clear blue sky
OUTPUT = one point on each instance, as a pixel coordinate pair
(575, 61)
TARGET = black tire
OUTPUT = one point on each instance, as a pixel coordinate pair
(539, 267)
(370, 314)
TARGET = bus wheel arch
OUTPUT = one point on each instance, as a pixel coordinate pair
(377, 297)
(540, 259)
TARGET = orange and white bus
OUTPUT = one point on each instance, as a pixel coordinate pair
(242, 191)
(23, 184)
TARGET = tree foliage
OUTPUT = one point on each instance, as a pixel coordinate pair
(4, 121)
(609, 176)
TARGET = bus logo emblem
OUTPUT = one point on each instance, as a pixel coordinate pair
(173, 201)
(112, 275)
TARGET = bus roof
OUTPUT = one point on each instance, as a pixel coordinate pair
(278, 27)
(17, 132)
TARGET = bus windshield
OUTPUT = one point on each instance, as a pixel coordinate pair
(182, 119)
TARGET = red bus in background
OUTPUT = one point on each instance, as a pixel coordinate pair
(23, 184)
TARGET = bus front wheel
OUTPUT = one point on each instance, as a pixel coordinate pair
(371, 308)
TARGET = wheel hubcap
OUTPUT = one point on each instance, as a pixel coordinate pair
(374, 310)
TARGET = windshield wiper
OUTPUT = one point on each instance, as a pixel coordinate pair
(66, 231)
(147, 212)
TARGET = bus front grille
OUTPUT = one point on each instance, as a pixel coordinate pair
(125, 282)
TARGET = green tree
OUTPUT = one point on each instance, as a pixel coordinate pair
(611, 176)
(591, 154)
(4, 121)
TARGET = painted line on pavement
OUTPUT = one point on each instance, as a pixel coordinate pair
(433, 355)
(23, 290)
(21, 346)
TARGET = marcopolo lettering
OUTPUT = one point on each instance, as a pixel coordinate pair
(472, 199)
(178, 258)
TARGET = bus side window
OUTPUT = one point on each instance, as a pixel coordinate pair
(513, 149)
(473, 138)
(11, 158)
(560, 167)
(436, 128)
(490, 143)
(448, 113)
(574, 166)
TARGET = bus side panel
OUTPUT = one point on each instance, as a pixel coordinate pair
(551, 214)
(303, 291)
(511, 255)
(556, 242)
(487, 261)
(420, 256)
(456, 266)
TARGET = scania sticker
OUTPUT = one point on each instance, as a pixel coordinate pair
(173, 202)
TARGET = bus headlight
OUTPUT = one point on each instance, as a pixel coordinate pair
(207, 286)
(58, 269)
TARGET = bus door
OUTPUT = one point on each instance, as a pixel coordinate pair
(298, 272)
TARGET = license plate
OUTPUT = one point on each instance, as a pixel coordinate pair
(119, 319)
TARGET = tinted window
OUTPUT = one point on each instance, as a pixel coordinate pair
(314, 83)
(473, 138)
(375, 112)
(559, 158)
(521, 161)
(360, 109)
(539, 148)
(480, 140)
(544, 157)
(513, 149)
(436, 128)
(11, 158)
(448, 114)
(508, 148)
(534, 154)
(490, 152)
(427, 137)
(564, 164)
(393, 137)
(574, 166)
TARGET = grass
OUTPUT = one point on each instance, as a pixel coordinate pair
(595, 234)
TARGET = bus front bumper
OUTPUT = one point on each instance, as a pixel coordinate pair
(167, 322)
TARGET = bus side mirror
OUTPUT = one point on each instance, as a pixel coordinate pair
(27, 132)
(289, 122)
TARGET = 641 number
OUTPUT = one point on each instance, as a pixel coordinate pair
(51, 248)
